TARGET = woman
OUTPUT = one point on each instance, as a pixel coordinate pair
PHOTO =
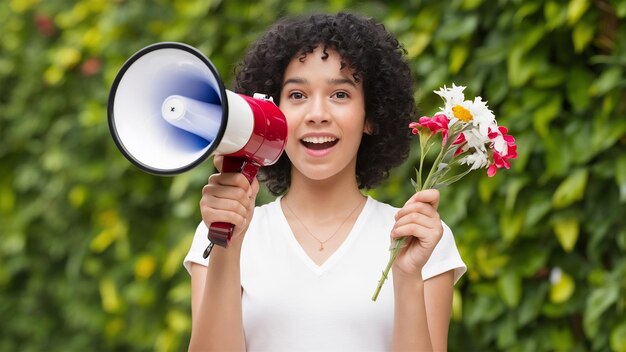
(299, 272)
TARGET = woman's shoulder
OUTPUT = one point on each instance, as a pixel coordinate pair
(266, 215)
(264, 210)
(382, 208)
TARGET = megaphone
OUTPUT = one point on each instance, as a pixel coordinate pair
(168, 111)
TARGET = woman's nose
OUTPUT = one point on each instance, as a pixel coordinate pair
(318, 111)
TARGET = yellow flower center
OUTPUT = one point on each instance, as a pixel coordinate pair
(462, 113)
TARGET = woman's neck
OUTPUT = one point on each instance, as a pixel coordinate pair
(323, 199)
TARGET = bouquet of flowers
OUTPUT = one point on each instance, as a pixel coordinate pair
(468, 138)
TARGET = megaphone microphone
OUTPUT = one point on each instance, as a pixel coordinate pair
(168, 111)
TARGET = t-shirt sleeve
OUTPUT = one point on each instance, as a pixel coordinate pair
(198, 245)
(445, 257)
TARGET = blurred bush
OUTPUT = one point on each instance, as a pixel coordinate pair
(91, 247)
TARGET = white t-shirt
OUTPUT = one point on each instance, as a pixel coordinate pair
(292, 304)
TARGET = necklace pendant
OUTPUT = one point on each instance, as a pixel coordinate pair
(321, 247)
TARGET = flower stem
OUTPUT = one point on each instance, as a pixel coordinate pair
(428, 181)
(397, 244)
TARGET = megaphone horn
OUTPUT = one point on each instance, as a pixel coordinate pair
(168, 111)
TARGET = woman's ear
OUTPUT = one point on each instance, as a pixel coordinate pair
(370, 127)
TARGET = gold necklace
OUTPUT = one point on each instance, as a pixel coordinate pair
(331, 236)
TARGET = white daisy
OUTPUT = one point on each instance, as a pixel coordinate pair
(477, 160)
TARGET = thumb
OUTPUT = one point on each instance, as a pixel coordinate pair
(218, 161)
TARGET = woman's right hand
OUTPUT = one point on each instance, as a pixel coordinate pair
(228, 197)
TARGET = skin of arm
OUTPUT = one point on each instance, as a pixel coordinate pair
(422, 313)
(421, 308)
(217, 323)
(438, 299)
(216, 304)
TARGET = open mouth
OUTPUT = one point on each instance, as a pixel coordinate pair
(319, 143)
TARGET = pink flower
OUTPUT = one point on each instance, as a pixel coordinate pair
(501, 155)
(460, 141)
(437, 123)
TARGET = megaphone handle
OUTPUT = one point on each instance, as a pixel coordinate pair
(221, 232)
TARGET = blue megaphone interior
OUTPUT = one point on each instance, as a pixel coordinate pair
(146, 137)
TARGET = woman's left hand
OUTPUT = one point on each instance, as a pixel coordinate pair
(419, 222)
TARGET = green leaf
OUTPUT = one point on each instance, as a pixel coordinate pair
(111, 301)
(567, 231)
(457, 28)
(507, 332)
(608, 80)
(605, 133)
(525, 9)
(454, 173)
(487, 186)
(551, 76)
(530, 307)
(7, 199)
(562, 289)
(458, 56)
(470, 4)
(483, 308)
(547, 112)
(555, 14)
(510, 288)
(561, 338)
(529, 259)
(489, 262)
(577, 84)
(575, 10)
(572, 189)
(428, 18)
(620, 8)
(518, 71)
(457, 305)
(618, 337)
(598, 302)
(514, 186)
(530, 37)
(620, 177)
(558, 157)
(582, 35)
(511, 223)
(416, 43)
(540, 205)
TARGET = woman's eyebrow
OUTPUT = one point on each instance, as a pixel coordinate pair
(331, 81)
(295, 80)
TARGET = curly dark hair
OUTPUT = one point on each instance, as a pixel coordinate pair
(375, 56)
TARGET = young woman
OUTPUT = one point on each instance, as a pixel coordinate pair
(300, 272)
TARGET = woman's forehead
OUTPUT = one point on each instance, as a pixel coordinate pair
(328, 57)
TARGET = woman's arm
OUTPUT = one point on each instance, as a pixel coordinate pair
(216, 303)
(422, 313)
(438, 299)
(422, 308)
(217, 323)
(410, 323)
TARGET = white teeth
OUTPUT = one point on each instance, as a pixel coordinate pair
(318, 140)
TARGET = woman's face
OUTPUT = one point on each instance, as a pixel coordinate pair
(325, 111)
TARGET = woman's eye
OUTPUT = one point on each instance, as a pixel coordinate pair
(341, 95)
(296, 95)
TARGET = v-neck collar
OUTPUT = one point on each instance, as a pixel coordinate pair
(341, 250)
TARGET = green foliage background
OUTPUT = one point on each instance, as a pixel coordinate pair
(91, 247)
